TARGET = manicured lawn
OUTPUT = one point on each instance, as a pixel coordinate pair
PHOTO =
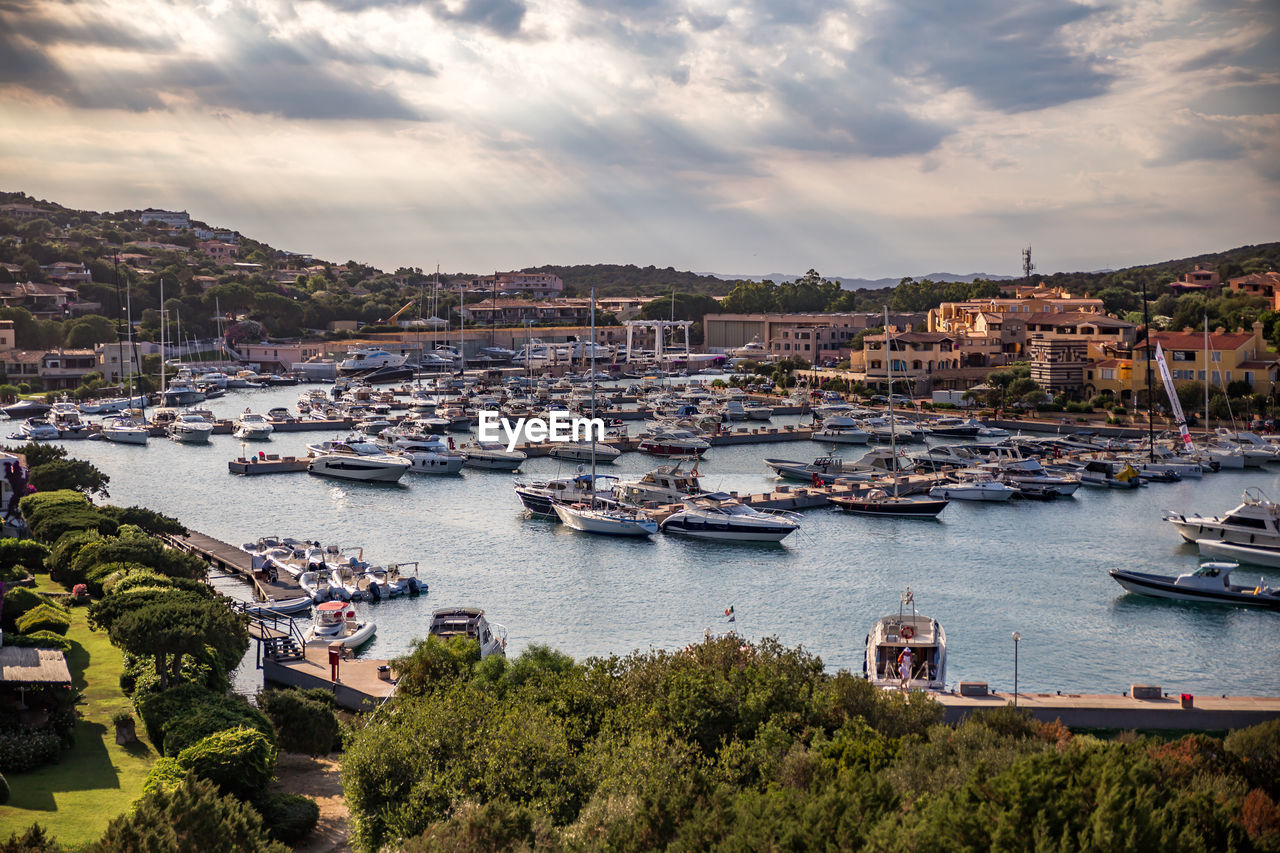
(96, 779)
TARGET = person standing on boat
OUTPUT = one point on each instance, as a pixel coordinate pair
(904, 667)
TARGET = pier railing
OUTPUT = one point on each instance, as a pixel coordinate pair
(278, 636)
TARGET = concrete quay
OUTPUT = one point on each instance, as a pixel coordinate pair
(1115, 711)
(361, 685)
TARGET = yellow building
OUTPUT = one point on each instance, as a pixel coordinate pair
(1237, 356)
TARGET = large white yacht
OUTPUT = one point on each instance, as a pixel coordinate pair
(369, 358)
(895, 633)
(666, 484)
(356, 460)
(722, 517)
(1256, 521)
(190, 428)
(253, 426)
(124, 430)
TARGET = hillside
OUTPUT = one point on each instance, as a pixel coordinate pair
(631, 280)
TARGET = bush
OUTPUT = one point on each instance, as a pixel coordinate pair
(1258, 748)
(51, 514)
(74, 474)
(191, 815)
(34, 840)
(220, 714)
(20, 600)
(45, 617)
(1119, 410)
(303, 723)
(165, 775)
(181, 711)
(289, 818)
(22, 552)
(63, 553)
(148, 520)
(38, 640)
(26, 750)
(239, 761)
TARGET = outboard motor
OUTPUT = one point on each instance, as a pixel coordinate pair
(414, 588)
(374, 592)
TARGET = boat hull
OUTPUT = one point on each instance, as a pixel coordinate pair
(970, 493)
(891, 508)
(733, 532)
(589, 522)
(354, 469)
(1253, 555)
(126, 436)
(1156, 586)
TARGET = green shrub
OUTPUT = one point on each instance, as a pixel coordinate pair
(289, 818)
(98, 559)
(239, 761)
(22, 552)
(20, 600)
(38, 640)
(26, 750)
(192, 815)
(36, 839)
(45, 617)
(147, 520)
(1258, 748)
(1119, 410)
(217, 715)
(179, 714)
(51, 514)
(166, 774)
(303, 723)
(63, 553)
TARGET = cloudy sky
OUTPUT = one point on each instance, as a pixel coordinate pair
(858, 137)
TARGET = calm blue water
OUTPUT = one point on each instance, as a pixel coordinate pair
(983, 571)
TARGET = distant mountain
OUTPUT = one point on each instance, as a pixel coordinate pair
(867, 283)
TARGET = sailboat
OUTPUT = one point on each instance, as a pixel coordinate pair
(878, 501)
(591, 517)
(124, 429)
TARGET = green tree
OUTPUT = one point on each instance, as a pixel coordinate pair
(70, 474)
(170, 630)
(751, 297)
(84, 332)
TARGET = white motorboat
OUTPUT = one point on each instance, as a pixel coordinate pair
(469, 622)
(672, 441)
(356, 461)
(1255, 555)
(1209, 582)
(112, 405)
(581, 451)
(181, 392)
(538, 497)
(610, 521)
(252, 426)
(906, 650)
(335, 621)
(492, 457)
(946, 456)
(124, 430)
(973, 484)
(666, 484)
(366, 359)
(841, 429)
(316, 585)
(428, 454)
(758, 411)
(1256, 521)
(724, 518)
(1029, 475)
(297, 604)
(190, 428)
(38, 429)
(65, 416)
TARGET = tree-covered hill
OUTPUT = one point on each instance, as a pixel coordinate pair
(631, 280)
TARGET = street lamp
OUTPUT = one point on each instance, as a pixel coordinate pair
(1016, 638)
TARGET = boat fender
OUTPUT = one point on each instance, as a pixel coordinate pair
(908, 632)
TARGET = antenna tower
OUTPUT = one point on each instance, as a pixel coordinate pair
(1027, 267)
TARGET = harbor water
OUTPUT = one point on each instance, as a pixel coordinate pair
(982, 570)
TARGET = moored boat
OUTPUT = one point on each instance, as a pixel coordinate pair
(335, 621)
(906, 650)
(470, 622)
(1209, 582)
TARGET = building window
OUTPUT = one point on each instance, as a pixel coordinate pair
(1217, 356)
(1201, 376)
(1108, 373)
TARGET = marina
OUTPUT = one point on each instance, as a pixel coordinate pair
(985, 569)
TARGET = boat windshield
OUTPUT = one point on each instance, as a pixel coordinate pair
(1208, 570)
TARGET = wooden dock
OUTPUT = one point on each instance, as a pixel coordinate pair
(360, 685)
(234, 561)
(1116, 711)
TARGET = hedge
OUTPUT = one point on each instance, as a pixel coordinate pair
(20, 600)
(166, 774)
(225, 712)
(26, 750)
(157, 710)
(63, 553)
(38, 640)
(239, 761)
(45, 617)
(289, 817)
(22, 552)
(304, 722)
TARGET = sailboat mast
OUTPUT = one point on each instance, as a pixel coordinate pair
(1207, 375)
(893, 432)
(163, 323)
(1151, 429)
(591, 429)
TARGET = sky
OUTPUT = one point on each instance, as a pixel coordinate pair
(861, 138)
